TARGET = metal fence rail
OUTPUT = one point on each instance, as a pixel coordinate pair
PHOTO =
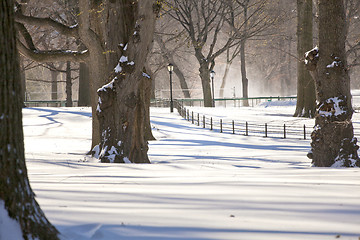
(224, 102)
(295, 131)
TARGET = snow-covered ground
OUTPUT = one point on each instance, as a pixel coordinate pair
(201, 185)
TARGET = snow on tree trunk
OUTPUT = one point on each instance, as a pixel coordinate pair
(15, 190)
(333, 141)
(123, 102)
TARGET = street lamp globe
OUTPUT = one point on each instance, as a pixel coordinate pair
(170, 67)
(212, 73)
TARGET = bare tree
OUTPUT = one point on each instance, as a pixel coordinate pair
(97, 29)
(123, 103)
(203, 21)
(15, 191)
(333, 141)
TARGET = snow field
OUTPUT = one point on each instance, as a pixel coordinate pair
(201, 185)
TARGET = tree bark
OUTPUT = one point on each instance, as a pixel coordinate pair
(15, 189)
(244, 80)
(54, 89)
(123, 103)
(306, 97)
(205, 82)
(23, 81)
(69, 102)
(333, 142)
(84, 86)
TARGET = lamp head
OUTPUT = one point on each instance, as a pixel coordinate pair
(170, 67)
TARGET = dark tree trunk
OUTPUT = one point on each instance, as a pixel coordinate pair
(333, 141)
(244, 80)
(69, 102)
(306, 97)
(96, 62)
(84, 86)
(23, 82)
(205, 82)
(123, 103)
(54, 89)
(15, 190)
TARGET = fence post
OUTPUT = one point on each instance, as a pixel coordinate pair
(246, 129)
(284, 131)
(211, 125)
(188, 115)
(233, 126)
(304, 132)
(266, 133)
(198, 119)
(192, 117)
(203, 121)
(221, 125)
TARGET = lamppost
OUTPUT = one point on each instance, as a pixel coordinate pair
(170, 69)
(212, 75)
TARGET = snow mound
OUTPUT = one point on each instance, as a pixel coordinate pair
(9, 228)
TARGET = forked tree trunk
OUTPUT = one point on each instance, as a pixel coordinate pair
(333, 141)
(123, 103)
(15, 190)
(306, 97)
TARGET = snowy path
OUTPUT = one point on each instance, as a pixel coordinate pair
(201, 185)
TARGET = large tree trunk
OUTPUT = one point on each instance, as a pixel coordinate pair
(205, 82)
(333, 142)
(306, 97)
(98, 68)
(123, 103)
(15, 190)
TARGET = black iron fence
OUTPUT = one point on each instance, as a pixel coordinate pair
(246, 128)
(219, 102)
(286, 130)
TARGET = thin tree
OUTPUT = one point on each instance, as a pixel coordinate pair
(15, 191)
(333, 142)
(168, 56)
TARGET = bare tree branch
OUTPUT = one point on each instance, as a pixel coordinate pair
(52, 56)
